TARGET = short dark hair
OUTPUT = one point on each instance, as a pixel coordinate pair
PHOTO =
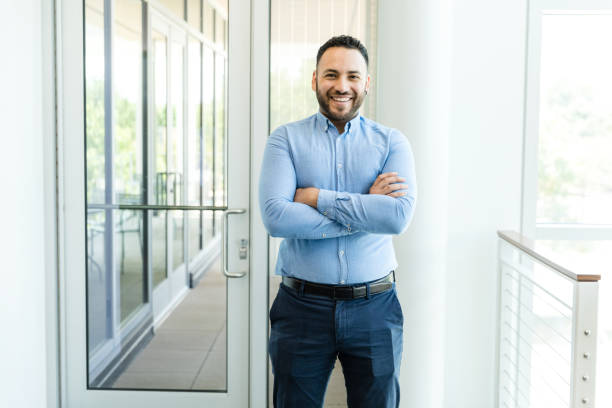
(345, 41)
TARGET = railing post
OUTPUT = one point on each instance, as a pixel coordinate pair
(584, 344)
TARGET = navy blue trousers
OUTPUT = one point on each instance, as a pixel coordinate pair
(307, 334)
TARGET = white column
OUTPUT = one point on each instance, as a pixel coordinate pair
(24, 248)
(413, 96)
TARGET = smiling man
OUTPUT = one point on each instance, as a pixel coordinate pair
(337, 186)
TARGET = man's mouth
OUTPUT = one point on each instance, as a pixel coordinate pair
(340, 98)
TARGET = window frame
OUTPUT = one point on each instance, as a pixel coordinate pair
(529, 225)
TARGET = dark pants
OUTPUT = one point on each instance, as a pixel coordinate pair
(309, 332)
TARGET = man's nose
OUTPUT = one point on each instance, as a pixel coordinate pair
(342, 85)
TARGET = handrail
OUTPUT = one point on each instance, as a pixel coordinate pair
(528, 246)
(539, 345)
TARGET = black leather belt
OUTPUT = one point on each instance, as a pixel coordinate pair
(341, 291)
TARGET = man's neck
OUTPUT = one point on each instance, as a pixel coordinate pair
(340, 125)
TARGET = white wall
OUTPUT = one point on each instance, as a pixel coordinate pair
(467, 139)
(488, 57)
(22, 292)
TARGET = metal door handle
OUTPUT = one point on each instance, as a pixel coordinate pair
(227, 213)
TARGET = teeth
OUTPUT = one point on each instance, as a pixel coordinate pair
(341, 99)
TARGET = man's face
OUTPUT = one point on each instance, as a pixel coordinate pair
(340, 81)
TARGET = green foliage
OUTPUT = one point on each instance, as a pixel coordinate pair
(574, 163)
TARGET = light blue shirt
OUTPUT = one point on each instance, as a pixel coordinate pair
(347, 239)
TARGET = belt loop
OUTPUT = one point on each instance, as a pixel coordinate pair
(367, 290)
(301, 291)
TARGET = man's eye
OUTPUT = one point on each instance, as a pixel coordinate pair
(330, 76)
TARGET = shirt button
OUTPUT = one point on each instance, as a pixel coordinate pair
(342, 282)
(341, 252)
(339, 165)
(323, 235)
(324, 212)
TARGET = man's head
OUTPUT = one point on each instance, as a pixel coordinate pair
(341, 78)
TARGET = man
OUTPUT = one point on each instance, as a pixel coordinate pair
(336, 186)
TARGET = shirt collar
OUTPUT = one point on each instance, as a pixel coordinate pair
(325, 123)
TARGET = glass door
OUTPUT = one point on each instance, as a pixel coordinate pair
(155, 203)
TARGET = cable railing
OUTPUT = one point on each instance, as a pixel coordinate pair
(547, 329)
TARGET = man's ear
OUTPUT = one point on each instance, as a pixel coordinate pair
(367, 84)
(314, 80)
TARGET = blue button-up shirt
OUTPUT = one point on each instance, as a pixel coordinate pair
(347, 239)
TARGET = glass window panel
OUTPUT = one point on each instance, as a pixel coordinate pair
(220, 33)
(575, 134)
(129, 251)
(219, 130)
(176, 7)
(98, 314)
(208, 20)
(208, 87)
(160, 128)
(298, 28)
(94, 100)
(219, 174)
(127, 87)
(194, 13)
(175, 177)
(159, 265)
(194, 145)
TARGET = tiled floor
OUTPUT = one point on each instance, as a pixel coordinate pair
(188, 350)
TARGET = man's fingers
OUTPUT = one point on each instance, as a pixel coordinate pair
(397, 194)
(391, 180)
(393, 187)
(383, 176)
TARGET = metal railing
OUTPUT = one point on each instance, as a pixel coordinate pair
(547, 329)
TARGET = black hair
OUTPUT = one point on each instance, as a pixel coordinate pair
(345, 41)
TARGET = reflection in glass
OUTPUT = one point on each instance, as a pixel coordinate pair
(194, 146)
(175, 154)
(99, 281)
(94, 99)
(159, 51)
(98, 315)
(129, 251)
(208, 86)
(219, 193)
(159, 150)
(127, 86)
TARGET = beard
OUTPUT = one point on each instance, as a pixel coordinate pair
(324, 105)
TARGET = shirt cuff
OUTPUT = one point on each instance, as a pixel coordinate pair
(325, 203)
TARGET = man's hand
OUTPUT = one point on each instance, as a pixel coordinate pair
(308, 196)
(386, 184)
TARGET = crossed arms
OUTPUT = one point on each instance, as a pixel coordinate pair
(312, 213)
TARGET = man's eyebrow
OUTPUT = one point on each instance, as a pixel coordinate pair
(335, 71)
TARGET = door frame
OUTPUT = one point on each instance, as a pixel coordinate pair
(71, 228)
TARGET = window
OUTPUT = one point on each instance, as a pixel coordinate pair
(568, 143)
